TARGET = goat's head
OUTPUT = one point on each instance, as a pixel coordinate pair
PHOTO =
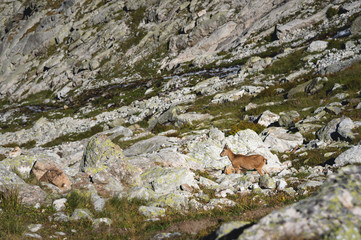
(225, 151)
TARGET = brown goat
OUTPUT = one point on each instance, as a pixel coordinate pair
(245, 162)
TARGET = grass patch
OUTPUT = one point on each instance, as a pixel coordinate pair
(27, 145)
(126, 144)
(77, 199)
(316, 157)
(286, 64)
(72, 137)
(242, 125)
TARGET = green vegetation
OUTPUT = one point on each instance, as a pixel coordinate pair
(27, 145)
(128, 223)
(316, 157)
(286, 64)
(72, 137)
(242, 125)
(331, 11)
(78, 199)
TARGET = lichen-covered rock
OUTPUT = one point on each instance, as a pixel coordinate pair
(22, 164)
(28, 194)
(219, 203)
(81, 213)
(227, 228)
(351, 156)
(267, 182)
(176, 200)
(329, 213)
(103, 157)
(141, 193)
(59, 204)
(280, 140)
(163, 180)
(152, 212)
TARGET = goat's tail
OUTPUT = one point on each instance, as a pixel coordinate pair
(265, 160)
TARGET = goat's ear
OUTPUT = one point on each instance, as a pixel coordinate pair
(226, 146)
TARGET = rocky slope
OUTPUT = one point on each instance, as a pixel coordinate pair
(134, 100)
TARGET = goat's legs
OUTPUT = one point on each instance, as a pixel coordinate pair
(259, 171)
(265, 171)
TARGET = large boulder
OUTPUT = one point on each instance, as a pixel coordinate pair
(351, 156)
(167, 180)
(317, 46)
(150, 145)
(338, 129)
(280, 140)
(30, 195)
(267, 118)
(333, 213)
(356, 26)
(105, 161)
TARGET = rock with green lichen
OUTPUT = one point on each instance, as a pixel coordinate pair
(152, 212)
(81, 214)
(226, 229)
(328, 213)
(103, 157)
(29, 195)
(176, 200)
(267, 182)
(167, 180)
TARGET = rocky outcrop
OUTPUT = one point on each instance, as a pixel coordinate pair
(320, 215)
(106, 164)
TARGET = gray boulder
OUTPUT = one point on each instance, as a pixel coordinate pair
(356, 26)
(28, 194)
(351, 156)
(165, 181)
(317, 46)
(339, 129)
(280, 140)
(104, 158)
(150, 145)
(267, 118)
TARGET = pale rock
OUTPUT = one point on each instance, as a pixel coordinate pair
(280, 140)
(59, 204)
(267, 118)
(152, 212)
(317, 46)
(79, 214)
(350, 156)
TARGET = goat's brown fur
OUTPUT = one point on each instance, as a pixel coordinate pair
(245, 162)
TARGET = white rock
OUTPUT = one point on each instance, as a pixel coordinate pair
(351, 156)
(317, 46)
(59, 204)
(267, 118)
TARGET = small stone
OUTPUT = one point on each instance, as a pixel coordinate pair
(79, 214)
(35, 227)
(59, 204)
(152, 212)
(33, 235)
